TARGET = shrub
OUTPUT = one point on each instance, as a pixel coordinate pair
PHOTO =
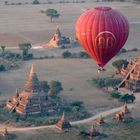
(36, 2)
(115, 94)
(127, 98)
(99, 82)
(134, 49)
(104, 82)
(29, 56)
(66, 54)
(123, 50)
(11, 55)
(77, 103)
(2, 68)
(83, 55)
(55, 88)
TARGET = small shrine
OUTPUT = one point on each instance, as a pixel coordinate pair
(63, 123)
(5, 134)
(124, 114)
(58, 40)
(93, 132)
(100, 121)
(32, 100)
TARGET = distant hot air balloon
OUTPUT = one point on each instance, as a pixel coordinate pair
(102, 31)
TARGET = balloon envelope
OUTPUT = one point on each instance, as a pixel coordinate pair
(102, 31)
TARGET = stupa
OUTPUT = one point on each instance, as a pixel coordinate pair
(124, 114)
(32, 100)
(63, 123)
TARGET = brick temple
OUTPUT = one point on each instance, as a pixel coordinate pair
(131, 75)
(32, 100)
(58, 40)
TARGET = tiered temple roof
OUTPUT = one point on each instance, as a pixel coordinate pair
(58, 40)
(131, 75)
(63, 123)
(32, 100)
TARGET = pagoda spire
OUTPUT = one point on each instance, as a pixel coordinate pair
(32, 69)
(63, 117)
(32, 83)
(17, 93)
(57, 33)
(125, 108)
(63, 123)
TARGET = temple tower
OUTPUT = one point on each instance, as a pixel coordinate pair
(57, 40)
(32, 100)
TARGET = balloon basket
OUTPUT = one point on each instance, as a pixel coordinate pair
(101, 70)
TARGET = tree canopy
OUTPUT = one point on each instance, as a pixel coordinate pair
(119, 63)
(36, 2)
(52, 13)
(25, 49)
(55, 88)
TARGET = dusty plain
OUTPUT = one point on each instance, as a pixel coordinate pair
(25, 23)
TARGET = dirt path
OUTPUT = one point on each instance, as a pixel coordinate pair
(88, 120)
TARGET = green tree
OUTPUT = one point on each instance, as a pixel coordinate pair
(115, 94)
(52, 13)
(55, 88)
(127, 98)
(3, 48)
(36, 2)
(83, 55)
(25, 49)
(45, 86)
(119, 63)
(66, 54)
(6, 2)
(2, 67)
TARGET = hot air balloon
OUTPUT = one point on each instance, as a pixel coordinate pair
(102, 32)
